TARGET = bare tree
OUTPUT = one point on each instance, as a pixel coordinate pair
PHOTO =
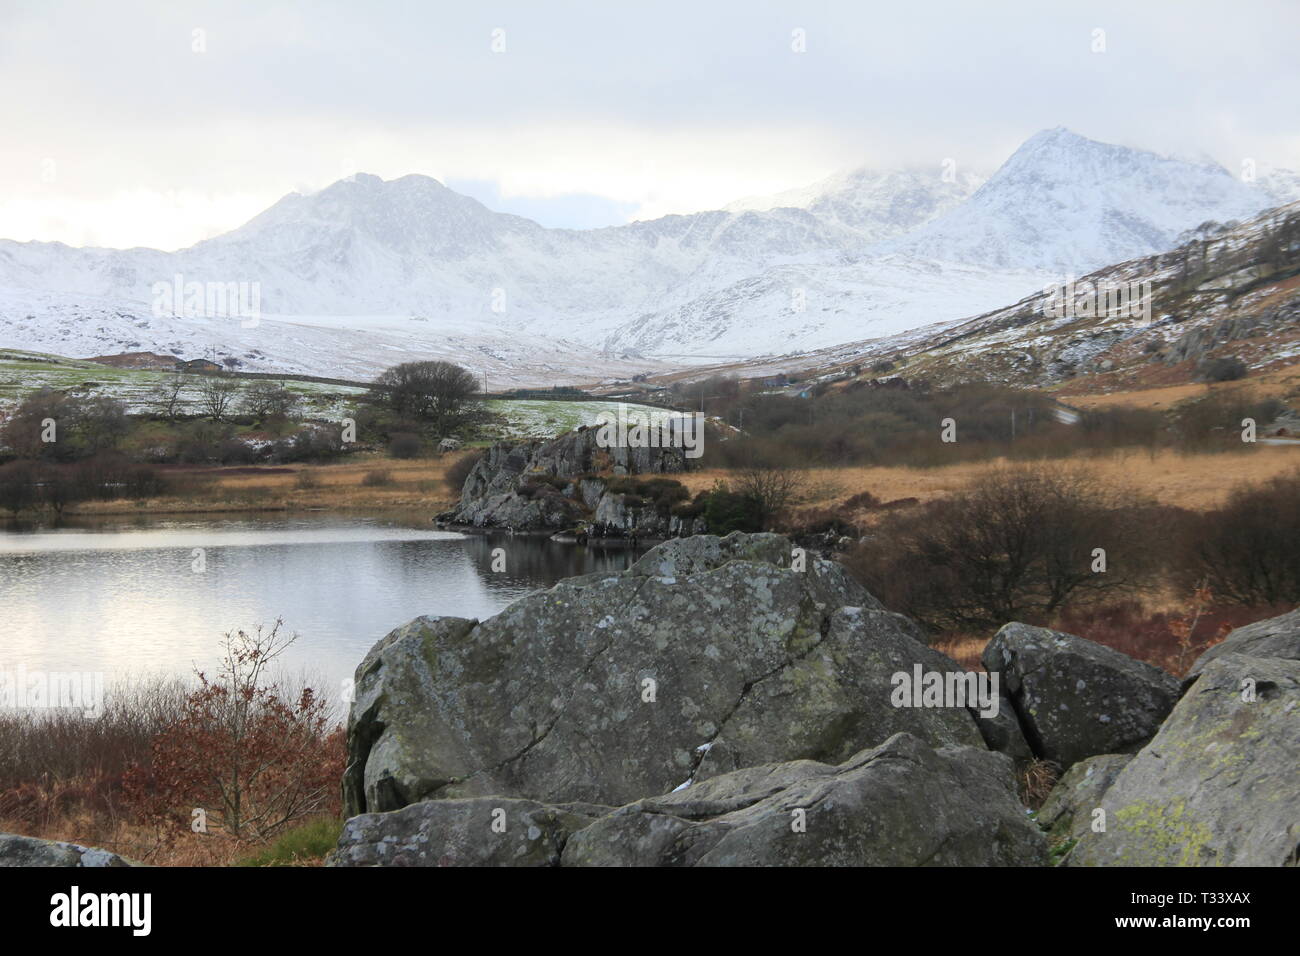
(44, 425)
(1248, 551)
(1014, 545)
(167, 400)
(267, 399)
(772, 489)
(217, 394)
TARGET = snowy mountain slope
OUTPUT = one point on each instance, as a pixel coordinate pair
(874, 205)
(1065, 204)
(792, 308)
(354, 347)
(1229, 292)
(366, 273)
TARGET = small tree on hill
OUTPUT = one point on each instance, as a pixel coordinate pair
(436, 392)
(217, 395)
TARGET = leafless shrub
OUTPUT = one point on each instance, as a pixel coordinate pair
(1016, 544)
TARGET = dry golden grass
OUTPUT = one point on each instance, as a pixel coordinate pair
(1282, 383)
(134, 841)
(416, 485)
(1198, 482)
(1035, 782)
(964, 649)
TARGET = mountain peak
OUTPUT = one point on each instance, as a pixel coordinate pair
(1063, 203)
(1061, 140)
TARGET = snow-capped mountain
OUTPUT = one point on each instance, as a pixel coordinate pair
(366, 272)
(1066, 204)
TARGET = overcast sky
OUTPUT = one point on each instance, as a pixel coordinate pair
(120, 125)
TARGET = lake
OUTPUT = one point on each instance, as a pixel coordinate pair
(149, 595)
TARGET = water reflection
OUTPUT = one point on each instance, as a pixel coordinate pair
(125, 598)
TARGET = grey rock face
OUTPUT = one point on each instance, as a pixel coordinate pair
(491, 495)
(29, 851)
(1067, 811)
(1275, 637)
(546, 509)
(708, 655)
(1219, 785)
(1002, 732)
(491, 831)
(901, 803)
(1076, 698)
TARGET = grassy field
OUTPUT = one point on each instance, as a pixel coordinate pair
(24, 372)
(1191, 481)
(382, 484)
(1282, 383)
(370, 484)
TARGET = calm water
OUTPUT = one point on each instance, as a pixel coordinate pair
(126, 599)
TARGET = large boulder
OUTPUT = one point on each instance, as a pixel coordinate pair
(1219, 785)
(1068, 810)
(1275, 637)
(30, 851)
(1076, 698)
(488, 831)
(901, 803)
(707, 655)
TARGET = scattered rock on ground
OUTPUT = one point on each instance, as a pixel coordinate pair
(30, 851)
(1076, 698)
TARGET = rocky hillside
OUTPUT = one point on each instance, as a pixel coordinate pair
(1229, 290)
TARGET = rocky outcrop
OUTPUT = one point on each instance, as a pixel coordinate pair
(1275, 637)
(548, 485)
(1076, 698)
(708, 655)
(29, 851)
(540, 508)
(1199, 342)
(1219, 785)
(901, 803)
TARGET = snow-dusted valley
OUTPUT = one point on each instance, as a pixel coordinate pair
(368, 273)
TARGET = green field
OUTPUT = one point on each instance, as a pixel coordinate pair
(25, 372)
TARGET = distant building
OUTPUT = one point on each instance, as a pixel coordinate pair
(197, 365)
